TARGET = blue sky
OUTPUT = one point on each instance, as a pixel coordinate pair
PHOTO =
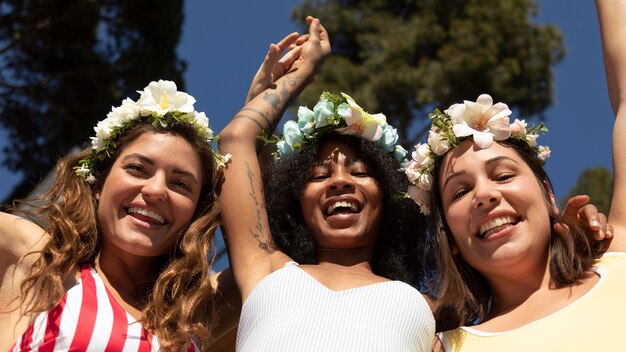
(224, 42)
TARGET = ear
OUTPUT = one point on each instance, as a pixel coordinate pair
(553, 208)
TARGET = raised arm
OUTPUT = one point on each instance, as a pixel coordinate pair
(611, 14)
(251, 252)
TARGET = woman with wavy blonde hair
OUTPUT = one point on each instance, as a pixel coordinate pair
(130, 222)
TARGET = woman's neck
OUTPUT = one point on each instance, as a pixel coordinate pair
(132, 278)
(358, 257)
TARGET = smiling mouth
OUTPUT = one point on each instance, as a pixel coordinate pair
(342, 207)
(496, 224)
(146, 215)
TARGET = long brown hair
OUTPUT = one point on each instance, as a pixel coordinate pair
(463, 293)
(178, 308)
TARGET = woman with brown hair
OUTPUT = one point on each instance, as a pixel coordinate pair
(122, 263)
(512, 281)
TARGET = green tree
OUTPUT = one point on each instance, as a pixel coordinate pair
(596, 183)
(64, 63)
(405, 57)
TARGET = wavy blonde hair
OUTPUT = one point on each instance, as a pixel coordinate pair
(178, 309)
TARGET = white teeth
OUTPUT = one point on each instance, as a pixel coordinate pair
(495, 222)
(343, 204)
(146, 212)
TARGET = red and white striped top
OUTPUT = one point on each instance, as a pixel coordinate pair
(88, 318)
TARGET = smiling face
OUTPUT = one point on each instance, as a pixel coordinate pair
(495, 208)
(342, 202)
(149, 195)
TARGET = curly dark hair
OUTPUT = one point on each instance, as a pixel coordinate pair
(400, 251)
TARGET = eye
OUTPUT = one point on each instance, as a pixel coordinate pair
(459, 193)
(360, 173)
(504, 176)
(318, 177)
(135, 168)
(182, 184)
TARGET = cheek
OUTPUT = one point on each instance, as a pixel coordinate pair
(184, 207)
(307, 202)
(457, 216)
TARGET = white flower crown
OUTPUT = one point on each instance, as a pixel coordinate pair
(334, 113)
(159, 104)
(484, 122)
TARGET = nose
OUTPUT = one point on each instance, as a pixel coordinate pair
(155, 188)
(485, 195)
(340, 180)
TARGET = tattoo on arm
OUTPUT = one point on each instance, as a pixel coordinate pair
(260, 113)
(273, 99)
(240, 116)
(278, 101)
(257, 231)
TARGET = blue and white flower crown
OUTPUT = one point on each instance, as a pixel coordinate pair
(484, 122)
(337, 113)
(159, 104)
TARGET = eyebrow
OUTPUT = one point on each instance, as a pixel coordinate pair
(348, 162)
(488, 162)
(151, 162)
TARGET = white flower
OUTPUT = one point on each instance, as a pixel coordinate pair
(425, 180)
(128, 111)
(222, 160)
(531, 139)
(162, 97)
(412, 170)
(437, 143)
(103, 132)
(518, 128)
(422, 154)
(543, 152)
(82, 171)
(201, 121)
(482, 120)
(361, 123)
(421, 198)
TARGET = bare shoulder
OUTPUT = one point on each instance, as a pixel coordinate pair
(18, 237)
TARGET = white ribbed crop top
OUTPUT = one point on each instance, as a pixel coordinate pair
(291, 311)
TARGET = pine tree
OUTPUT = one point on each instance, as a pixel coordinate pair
(64, 63)
(404, 58)
(596, 183)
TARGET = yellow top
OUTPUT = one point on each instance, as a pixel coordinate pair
(594, 322)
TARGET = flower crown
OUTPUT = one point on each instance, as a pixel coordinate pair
(484, 122)
(159, 104)
(334, 113)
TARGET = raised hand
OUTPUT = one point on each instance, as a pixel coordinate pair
(578, 211)
(273, 66)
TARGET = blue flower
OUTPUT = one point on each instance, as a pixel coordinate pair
(388, 138)
(306, 121)
(323, 112)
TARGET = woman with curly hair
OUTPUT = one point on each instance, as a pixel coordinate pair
(122, 263)
(399, 252)
(323, 272)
